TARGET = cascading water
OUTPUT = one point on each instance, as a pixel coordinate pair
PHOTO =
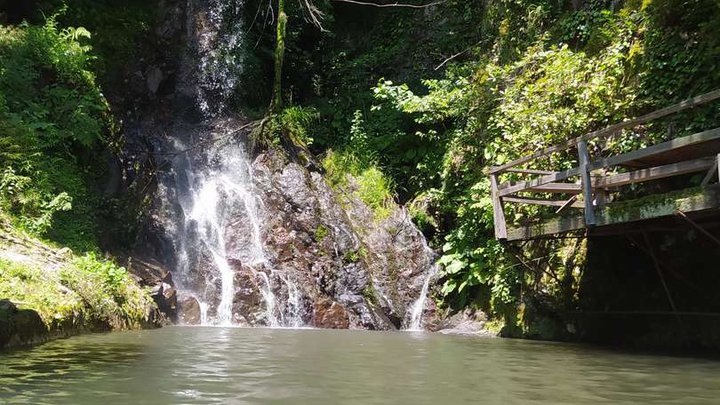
(221, 234)
(219, 33)
(418, 307)
(214, 215)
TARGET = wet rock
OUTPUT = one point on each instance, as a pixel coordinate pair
(329, 314)
(150, 271)
(248, 300)
(189, 311)
(165, 297)
(154, 78)
(467, 322)
(29, 328)
(327, 259)
(20, 327)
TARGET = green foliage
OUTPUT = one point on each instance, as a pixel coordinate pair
(364, 180)
(53, 119)
(37, 290)
(355, 256)
(114, 278)
(321, 232)
(109, 294)
(296, 122)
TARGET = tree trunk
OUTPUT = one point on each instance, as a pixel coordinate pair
(279, 57)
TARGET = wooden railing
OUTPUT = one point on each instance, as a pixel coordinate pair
(592, 188)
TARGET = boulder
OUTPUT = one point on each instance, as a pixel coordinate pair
(189, 311)
(467, 322)
(328, 314)
(248, 301)
(7, 321)
(165, 297)
(154, 78)
(29, 328)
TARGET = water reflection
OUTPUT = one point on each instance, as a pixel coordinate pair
(219, 365)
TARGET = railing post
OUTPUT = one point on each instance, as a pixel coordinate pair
(586, 184)
(498, 213)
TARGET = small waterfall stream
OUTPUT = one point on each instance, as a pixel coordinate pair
(418, 307)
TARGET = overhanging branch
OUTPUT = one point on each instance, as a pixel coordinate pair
(405, 5)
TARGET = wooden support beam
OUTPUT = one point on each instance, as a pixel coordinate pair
(529, 171)
(537, 184)
(548, 203)
(572, 202)
(498, 212)
(584, 159)
(698, 227)
(555, 188)
(707, 199)
(710, 174)
(690, 103)
(653, 173)
(656, 262)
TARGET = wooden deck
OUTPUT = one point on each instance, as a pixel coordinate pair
(591, 185)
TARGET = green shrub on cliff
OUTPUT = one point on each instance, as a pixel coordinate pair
(349, 174)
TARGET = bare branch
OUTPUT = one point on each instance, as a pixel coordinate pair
(405, 5)
(315, 15)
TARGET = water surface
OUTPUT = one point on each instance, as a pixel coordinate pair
(261, 366)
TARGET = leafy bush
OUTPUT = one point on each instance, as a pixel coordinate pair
(107, 290)
(53, 120)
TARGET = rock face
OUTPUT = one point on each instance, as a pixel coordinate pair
(328, 314)
(326, 261)
(467, 322)
(374, 270)
(190, 311)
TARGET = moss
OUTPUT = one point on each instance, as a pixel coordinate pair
(370, 294)
(635, 208)
(352, 256)
(321, 232)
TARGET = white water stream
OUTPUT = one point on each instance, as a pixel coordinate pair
(418, 306)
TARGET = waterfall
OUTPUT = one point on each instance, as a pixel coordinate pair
(220, 233)
(212, 213)
(219, 37)
(418, 307)
(210, 225)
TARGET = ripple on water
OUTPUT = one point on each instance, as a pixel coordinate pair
(229, 366)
